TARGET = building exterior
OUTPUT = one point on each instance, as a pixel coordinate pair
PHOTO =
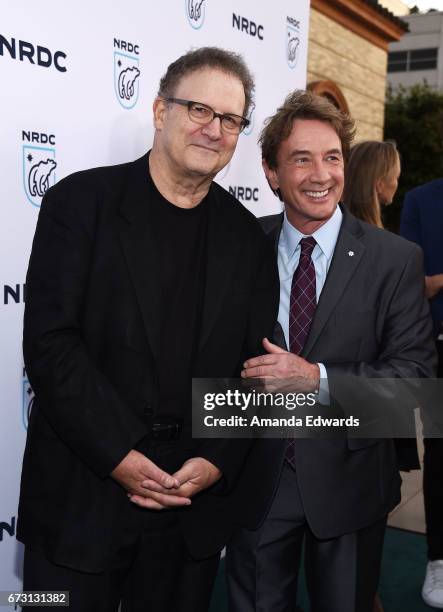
(347, 58)
(397, 7)
(418, 56)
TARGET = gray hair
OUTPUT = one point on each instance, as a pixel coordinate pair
(211, 57)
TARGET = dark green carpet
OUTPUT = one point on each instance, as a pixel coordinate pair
(403, 569)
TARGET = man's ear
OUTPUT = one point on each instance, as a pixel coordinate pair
(158, 110)
(271, 175)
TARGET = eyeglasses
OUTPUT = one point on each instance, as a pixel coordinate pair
(202, 114)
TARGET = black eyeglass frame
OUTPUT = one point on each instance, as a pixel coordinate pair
(188, 103)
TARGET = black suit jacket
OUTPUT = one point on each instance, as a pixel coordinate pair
(372, 321)
(91, 336)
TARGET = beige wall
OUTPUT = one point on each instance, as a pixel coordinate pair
(356, 65)
(397, 7)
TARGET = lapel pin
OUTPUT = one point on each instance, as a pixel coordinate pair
(351, 253)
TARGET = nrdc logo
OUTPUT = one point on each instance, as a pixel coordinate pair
(195, 12)
(39, 165)
(126, 72)
(27, 399)
(248, 130)
(292, 41)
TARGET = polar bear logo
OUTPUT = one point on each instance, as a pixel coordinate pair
(126, 82)
(195, 9)
(292, 48)
(38, 178)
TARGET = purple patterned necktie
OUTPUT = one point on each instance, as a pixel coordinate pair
(301, 311)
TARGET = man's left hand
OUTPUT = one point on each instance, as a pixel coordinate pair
(195, 475)
(282, 365)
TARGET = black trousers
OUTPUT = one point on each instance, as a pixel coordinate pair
(262, 566)
(433, 484)
(155, 574)
(150, 569)
(433, 496)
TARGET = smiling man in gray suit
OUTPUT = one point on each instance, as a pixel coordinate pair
(352, 307)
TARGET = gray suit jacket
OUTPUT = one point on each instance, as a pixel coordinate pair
(372, 321)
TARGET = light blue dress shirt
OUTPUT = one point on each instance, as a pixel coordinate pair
(288, 258)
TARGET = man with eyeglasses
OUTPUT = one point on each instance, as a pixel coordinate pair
(141, 277)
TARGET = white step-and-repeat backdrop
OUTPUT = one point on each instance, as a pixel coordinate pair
(77, 81)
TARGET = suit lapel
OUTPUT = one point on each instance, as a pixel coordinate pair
(140, 246)
(272, 225)
(348, 254)
(279, 337)
(274, 236)
(222, 248)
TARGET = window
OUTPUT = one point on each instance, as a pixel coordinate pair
(331, 91)
(397, 61)
(423, 59)
(417, 59)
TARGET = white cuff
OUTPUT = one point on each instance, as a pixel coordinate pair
(323, 389)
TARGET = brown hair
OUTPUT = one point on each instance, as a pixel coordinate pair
(369, 162)
(303, 105)
(208, 57)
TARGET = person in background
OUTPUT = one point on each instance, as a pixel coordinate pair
(422, 222)
(372, 175)
(371, 182)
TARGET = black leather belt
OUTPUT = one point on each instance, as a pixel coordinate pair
(164, 428)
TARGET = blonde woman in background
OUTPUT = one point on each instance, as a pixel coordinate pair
(371, 181)
(372, 175)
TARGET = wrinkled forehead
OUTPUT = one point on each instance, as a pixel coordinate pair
(203, 74)
(214, 87)
(312, 130)
(311, 135)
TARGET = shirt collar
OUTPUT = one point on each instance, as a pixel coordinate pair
(325, 237)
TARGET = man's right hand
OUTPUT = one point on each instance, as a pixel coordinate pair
(135, 468)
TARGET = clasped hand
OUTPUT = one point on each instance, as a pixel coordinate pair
(151, 487)
(281, 370)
